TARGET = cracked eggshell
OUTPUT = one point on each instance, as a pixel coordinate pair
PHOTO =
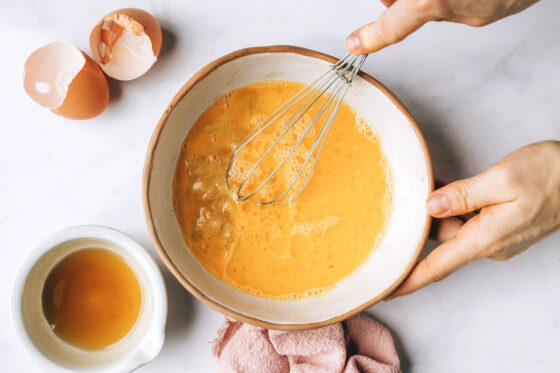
(126, 43)
(65, 80)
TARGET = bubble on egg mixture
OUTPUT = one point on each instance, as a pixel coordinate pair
(257, 118)
(239, 170)
(365, 128)
(309, 229)
(273, 152)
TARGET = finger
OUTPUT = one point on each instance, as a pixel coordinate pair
(445, 229)
(399, 20)
(388, 3)
(439, 183)
(468, 195)
(468, 244)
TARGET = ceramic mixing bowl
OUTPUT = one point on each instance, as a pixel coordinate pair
(402, 143)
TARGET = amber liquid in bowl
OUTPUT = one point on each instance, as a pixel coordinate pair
(92, 299)
(281, 251)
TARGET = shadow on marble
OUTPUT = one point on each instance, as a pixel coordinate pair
(168, 42)
(444, 139)
(180, 307)
(428, 248)
(115, 90)
(443, 144)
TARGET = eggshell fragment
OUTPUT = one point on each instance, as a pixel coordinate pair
(126, 43)
(64, 79)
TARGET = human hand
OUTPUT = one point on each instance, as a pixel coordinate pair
(519, 202)
(403, 17)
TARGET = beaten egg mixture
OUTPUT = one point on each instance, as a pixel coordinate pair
(280, 251)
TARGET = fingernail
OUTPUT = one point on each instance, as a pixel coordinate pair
(352, 43)
(437, 204)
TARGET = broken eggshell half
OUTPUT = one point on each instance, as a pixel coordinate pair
(64, 79)
(126, 43)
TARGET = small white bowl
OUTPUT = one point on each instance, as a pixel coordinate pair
(139, 346)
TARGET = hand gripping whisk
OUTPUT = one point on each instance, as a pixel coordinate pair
(327, 93)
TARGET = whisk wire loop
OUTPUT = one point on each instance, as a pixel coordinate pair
(333, 84)
(301, 111)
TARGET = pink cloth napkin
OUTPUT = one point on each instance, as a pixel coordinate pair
(357, 345)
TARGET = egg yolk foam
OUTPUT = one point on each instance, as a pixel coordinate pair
(281, 251)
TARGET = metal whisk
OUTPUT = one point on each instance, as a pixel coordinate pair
(332, 85)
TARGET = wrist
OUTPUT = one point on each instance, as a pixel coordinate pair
(554, 148)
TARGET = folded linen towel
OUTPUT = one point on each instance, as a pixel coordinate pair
(357, 345)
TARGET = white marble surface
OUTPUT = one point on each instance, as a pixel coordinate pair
(476, 93)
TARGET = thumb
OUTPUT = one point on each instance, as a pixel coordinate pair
(468, 195)
(399, 20)
(471, 242)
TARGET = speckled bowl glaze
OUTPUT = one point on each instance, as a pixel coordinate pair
(402, 143)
